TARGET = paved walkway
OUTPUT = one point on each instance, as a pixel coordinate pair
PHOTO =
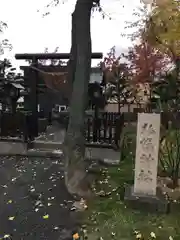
(54, 133)
(34, 203)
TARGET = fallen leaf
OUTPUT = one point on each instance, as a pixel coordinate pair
(139, 236)
(113, 234)
(11, 218)
(56, 228)
(38, 203)
(153, 235)
(46, 216)
(6, 236)
(75, 236)
(79, 206)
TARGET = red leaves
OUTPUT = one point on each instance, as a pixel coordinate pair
(142, 64)
(146, 62)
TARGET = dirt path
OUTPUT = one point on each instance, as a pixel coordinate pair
(34, 203)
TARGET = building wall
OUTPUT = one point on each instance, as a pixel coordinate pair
(113, 107)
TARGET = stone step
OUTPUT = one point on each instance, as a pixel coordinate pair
(44, 153)
(38, 144)
(22, 149)
(54, 149)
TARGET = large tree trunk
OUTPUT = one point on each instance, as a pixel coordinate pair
(79, 74)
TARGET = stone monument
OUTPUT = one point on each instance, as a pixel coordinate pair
(144, 194)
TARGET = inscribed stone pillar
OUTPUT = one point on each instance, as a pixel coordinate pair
(147, 150)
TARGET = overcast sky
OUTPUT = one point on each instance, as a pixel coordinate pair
(29, 32)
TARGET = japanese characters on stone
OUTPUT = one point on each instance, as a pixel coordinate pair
(147, 153)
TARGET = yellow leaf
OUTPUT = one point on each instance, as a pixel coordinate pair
(6, 236)
(162, 29)
(153, 235)
(75, 236)
(139, 236)
(10, 201)
(46, 216)
(11, 218)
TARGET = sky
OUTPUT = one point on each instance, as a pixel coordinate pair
(29, 32)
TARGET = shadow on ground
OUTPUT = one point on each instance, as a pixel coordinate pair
(34, 203)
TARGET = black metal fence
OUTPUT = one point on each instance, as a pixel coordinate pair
(12, 125)
(16, 125)
(105, 130)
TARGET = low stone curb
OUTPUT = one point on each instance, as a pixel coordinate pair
(105, 161)
(35, 153)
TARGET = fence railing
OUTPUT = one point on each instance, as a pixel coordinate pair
(16, 125)
(105, 130)
(12, 124)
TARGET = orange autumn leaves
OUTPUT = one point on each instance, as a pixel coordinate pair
(141, 64)
(146, 62)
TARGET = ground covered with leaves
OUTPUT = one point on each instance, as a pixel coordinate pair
(34, 203)
(110, 218)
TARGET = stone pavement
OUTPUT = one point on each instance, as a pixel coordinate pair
(34, 203)
(54, 133)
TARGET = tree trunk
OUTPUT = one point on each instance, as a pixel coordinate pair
(118, 97)
(72, 59)
(79, 75)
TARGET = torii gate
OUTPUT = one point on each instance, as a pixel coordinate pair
(32, 75)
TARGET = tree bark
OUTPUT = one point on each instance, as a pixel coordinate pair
(79, 75)
(118, 96)
(72, 59)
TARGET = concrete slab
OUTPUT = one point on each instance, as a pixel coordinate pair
(54, 133)
(108, 155)
(47, 153)
(39, 144)
(157, 203)
(12, 148)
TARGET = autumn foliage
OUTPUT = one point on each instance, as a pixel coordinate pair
(113, 67)
(146, 62)
(162, 26)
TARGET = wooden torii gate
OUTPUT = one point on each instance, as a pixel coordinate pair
(32, 75)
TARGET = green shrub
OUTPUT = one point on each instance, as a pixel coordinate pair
(170, 154)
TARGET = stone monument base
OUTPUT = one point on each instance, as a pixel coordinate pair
(147, 203)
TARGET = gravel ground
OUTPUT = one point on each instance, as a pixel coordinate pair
(34, 203)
